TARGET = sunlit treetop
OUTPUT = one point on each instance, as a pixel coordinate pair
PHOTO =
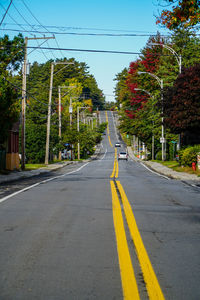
(186, 14)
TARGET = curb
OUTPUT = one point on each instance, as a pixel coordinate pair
(17, 175)
(165, 170)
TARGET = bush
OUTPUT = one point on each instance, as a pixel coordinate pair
(159, 155)
(189, 155)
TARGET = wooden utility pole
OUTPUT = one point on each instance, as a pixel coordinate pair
(23, 107)
(60, 115)
(24, 72)
(49, 106)
(49, 116)
(59, 118)
(78, 128)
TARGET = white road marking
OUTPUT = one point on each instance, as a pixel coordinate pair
(155, 172)
(43, 181)
(103, 155)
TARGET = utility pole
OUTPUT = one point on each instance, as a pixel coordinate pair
(24, 71)
(78, 129)
(23, 107)
(59, 114)
(59, 118)
(49, 105)
(49, 116)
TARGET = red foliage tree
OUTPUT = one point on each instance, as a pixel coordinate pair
(182, 104)
(185, 14)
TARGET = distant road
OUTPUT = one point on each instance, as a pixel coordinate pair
(107, 229)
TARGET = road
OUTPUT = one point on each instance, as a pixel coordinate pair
(100, 230)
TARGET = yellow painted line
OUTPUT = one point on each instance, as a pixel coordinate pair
(152, 284)
(110, 141)
(117, 169)
(129, 284)
(113, 172)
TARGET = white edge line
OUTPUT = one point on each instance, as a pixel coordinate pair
(155, 172)
(44, 181)
(103, 155)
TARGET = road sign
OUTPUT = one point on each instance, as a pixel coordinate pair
(70, 109)
(162, 140)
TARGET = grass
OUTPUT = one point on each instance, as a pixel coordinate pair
(176, 167)
(29, 167)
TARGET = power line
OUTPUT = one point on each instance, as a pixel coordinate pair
(23, 30)
(63, 28)
(18, 88)
(6, 12)
(40, 25)
(100, 51)
(87, 34)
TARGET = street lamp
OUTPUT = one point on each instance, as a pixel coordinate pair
(179, 61)
(178, 57)
(160, 81)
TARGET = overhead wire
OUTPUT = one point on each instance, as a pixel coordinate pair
(19, 88)
(6, 12)
(30, 31)
(65, 28)
(41, 25)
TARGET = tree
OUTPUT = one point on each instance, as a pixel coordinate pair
(86, 92)
(186, 14)
(182, 105)
(11, 54)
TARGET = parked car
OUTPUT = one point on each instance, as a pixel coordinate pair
(117, 144)
(123, 155)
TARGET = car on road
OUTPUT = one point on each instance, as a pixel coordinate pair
(117, 144)
(123, 155)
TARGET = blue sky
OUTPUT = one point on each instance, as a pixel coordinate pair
(117, 17)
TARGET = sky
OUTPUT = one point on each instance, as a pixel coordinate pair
(77, 17)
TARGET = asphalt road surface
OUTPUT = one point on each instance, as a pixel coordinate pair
(107, 229)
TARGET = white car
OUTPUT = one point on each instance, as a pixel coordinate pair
(123, 155)
(117, 145)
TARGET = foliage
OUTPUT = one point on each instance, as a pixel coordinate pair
(11, 54)
(189, 155)
(82, 89)
(102, 127)
(184, 14)
(136, 95)
(182, 102)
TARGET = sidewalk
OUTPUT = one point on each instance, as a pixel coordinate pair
(159, 168)
(17, 175)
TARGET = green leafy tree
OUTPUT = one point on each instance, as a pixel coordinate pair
(38, 96)
(11, 54)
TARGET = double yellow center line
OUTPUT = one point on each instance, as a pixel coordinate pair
(115, 171)
(129, 283)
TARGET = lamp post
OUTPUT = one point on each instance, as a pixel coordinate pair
(179, 61)
(137, 89)
(160, 81)
(178, 57)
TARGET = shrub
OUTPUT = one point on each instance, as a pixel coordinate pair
(189, 155)
(159, 155)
